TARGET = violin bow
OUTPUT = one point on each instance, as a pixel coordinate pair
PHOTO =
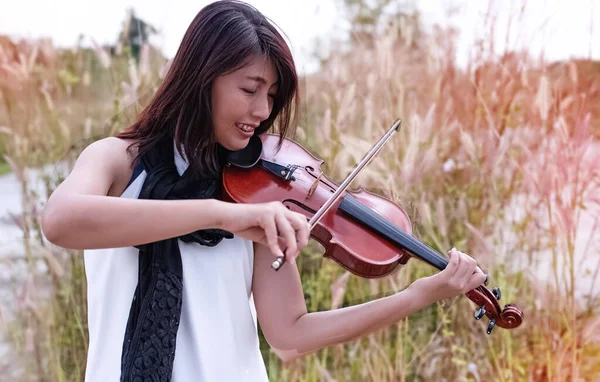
(338, 193)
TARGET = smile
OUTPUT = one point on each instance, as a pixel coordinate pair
(244, 127)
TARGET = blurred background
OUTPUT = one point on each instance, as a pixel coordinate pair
(498, 156)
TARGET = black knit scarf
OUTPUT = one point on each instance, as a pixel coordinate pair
(151, 332)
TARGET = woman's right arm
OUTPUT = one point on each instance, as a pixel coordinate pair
(80, 215)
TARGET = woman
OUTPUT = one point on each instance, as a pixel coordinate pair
(176, 277)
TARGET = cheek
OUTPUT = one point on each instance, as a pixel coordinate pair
(220, 113)
(229, 106)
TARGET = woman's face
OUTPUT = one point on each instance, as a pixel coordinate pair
(241, 100)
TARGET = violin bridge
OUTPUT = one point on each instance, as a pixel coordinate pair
(313, 187)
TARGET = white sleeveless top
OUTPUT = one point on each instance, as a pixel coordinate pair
(217, 339)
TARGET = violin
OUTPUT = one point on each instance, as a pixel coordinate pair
(365, 233)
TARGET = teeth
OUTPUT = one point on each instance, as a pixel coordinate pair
(244, 127)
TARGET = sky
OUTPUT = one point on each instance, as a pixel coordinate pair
(562, 29)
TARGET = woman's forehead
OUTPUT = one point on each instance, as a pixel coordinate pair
(259, 69)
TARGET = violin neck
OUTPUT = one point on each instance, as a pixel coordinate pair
(391, 232)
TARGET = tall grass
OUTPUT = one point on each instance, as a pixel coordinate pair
(55, 103)
(499, 160)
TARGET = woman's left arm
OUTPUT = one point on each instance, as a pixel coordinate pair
(291, 330)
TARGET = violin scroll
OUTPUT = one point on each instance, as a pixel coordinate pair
(508, 317)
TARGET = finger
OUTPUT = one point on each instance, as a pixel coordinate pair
(460, 277)
(477, 275)
(468, 265)
(288, 233)
(453, 263)
(272, 239)
(472, 268)
(289, 255)
(481, 275)
(476, 280)
(302, 231)
(301, 226)
(283, 245)
(478, 270)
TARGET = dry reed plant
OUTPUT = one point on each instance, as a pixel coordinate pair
(54, 104)
(499, 159)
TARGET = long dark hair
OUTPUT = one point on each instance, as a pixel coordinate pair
(220, 39)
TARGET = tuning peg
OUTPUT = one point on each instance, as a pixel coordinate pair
(496, 292)
(491, 326)
(480, 312)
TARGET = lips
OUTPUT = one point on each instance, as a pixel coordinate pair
(245, 127)
(246, 130)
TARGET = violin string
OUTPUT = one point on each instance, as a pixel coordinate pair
(309, 182)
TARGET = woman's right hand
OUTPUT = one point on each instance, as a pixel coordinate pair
(460, 276)
(270, 224)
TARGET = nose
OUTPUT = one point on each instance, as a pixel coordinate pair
(261, 107)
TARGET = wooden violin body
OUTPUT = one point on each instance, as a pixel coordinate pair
(367, 234)
(362, 252)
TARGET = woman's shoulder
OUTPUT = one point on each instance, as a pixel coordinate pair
(113, 157)
(112, 145)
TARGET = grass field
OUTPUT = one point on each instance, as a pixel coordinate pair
(499, 159)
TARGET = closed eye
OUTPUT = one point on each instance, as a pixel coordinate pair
(248, 91)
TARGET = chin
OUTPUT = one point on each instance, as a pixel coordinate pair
(235, 145)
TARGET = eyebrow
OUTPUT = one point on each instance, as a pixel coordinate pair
(260, 79)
